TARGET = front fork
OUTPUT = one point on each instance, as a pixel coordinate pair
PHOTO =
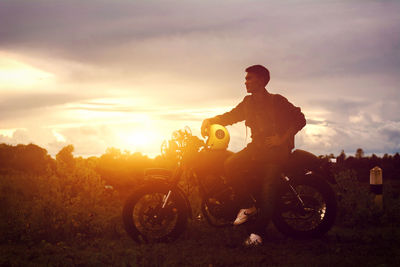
(294, 191)
(166, 198)
(175, 179)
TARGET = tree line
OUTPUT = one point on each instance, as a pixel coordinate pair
(361, 164)
(123, 169)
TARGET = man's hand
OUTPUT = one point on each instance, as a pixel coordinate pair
(277, 140)
(204, 127)
(273, 141)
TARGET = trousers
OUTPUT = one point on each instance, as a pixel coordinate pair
(255, 171)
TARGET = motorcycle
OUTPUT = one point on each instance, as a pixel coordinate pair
(158, 210)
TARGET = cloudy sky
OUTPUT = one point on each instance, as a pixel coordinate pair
(125, 74)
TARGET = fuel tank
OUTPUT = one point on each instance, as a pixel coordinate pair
(211, 161)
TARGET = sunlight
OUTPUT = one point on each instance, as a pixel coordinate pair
(8, 132)
(138, 140)
(109, 110)
(319, 133)
(314, 132)
(59, 137)
(14, 73)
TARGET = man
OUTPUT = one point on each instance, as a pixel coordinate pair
(273, 121)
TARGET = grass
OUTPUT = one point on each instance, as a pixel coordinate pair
(206, 246)
(363, 235)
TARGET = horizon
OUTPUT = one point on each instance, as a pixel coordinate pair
(122, 151)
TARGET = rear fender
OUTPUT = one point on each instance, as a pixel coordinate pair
(325, 171)
(302, 162)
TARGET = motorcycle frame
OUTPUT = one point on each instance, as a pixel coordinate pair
(173, 178)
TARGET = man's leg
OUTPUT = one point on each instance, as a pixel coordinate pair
(234, 167)
(265, 199)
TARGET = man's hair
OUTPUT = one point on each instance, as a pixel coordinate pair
(259, 70)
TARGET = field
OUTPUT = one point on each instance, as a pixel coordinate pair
(66, 215)
(202, 246)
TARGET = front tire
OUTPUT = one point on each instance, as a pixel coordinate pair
(311, 219)
(146, 221)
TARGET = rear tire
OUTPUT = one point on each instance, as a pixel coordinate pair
(147, 222)
(318, 214)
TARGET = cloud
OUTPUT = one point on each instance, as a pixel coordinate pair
(193, 48)
(338, 61)
(330, 38)
(352, 122)
(24, 103)
(40, 136)
(391, 134)
(19, 136)
(87, 140)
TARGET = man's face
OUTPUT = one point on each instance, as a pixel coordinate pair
(254, 83)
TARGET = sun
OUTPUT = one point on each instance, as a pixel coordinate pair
(146, 141)
(140, 138)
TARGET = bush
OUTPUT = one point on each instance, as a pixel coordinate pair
(356, 206)
(68, 204)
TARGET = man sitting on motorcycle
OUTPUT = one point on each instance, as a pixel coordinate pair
(273, 121)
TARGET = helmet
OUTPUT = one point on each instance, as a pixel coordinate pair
(218, 137)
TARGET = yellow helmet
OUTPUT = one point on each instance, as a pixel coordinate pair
(218, 137)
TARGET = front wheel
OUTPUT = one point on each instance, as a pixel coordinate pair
(308, 213)
(148, 218)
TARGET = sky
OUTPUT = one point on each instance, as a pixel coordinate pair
(126, 74)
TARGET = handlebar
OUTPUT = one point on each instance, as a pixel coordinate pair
(205, 126)
(181, 141)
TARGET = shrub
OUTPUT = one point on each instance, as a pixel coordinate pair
(356, 206)
(68, 204)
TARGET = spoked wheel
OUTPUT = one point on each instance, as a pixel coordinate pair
(148, 218)
(309, 214)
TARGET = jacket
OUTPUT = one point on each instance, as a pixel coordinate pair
(273, 114)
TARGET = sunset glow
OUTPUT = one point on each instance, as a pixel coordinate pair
(128, 79)
(102, 109)
(16, 74)
(139, 140)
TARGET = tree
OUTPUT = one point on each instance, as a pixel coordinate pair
(359, 153)
(341, 158)
(65, 157)
(27, 158)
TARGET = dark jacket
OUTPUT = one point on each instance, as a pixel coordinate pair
(274, 114)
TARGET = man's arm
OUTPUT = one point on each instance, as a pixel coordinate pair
(298, 122)
(235, 115)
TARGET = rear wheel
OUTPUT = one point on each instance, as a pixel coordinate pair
(146, 219)
(311, 213)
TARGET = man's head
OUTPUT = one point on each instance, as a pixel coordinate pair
(257, 78)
